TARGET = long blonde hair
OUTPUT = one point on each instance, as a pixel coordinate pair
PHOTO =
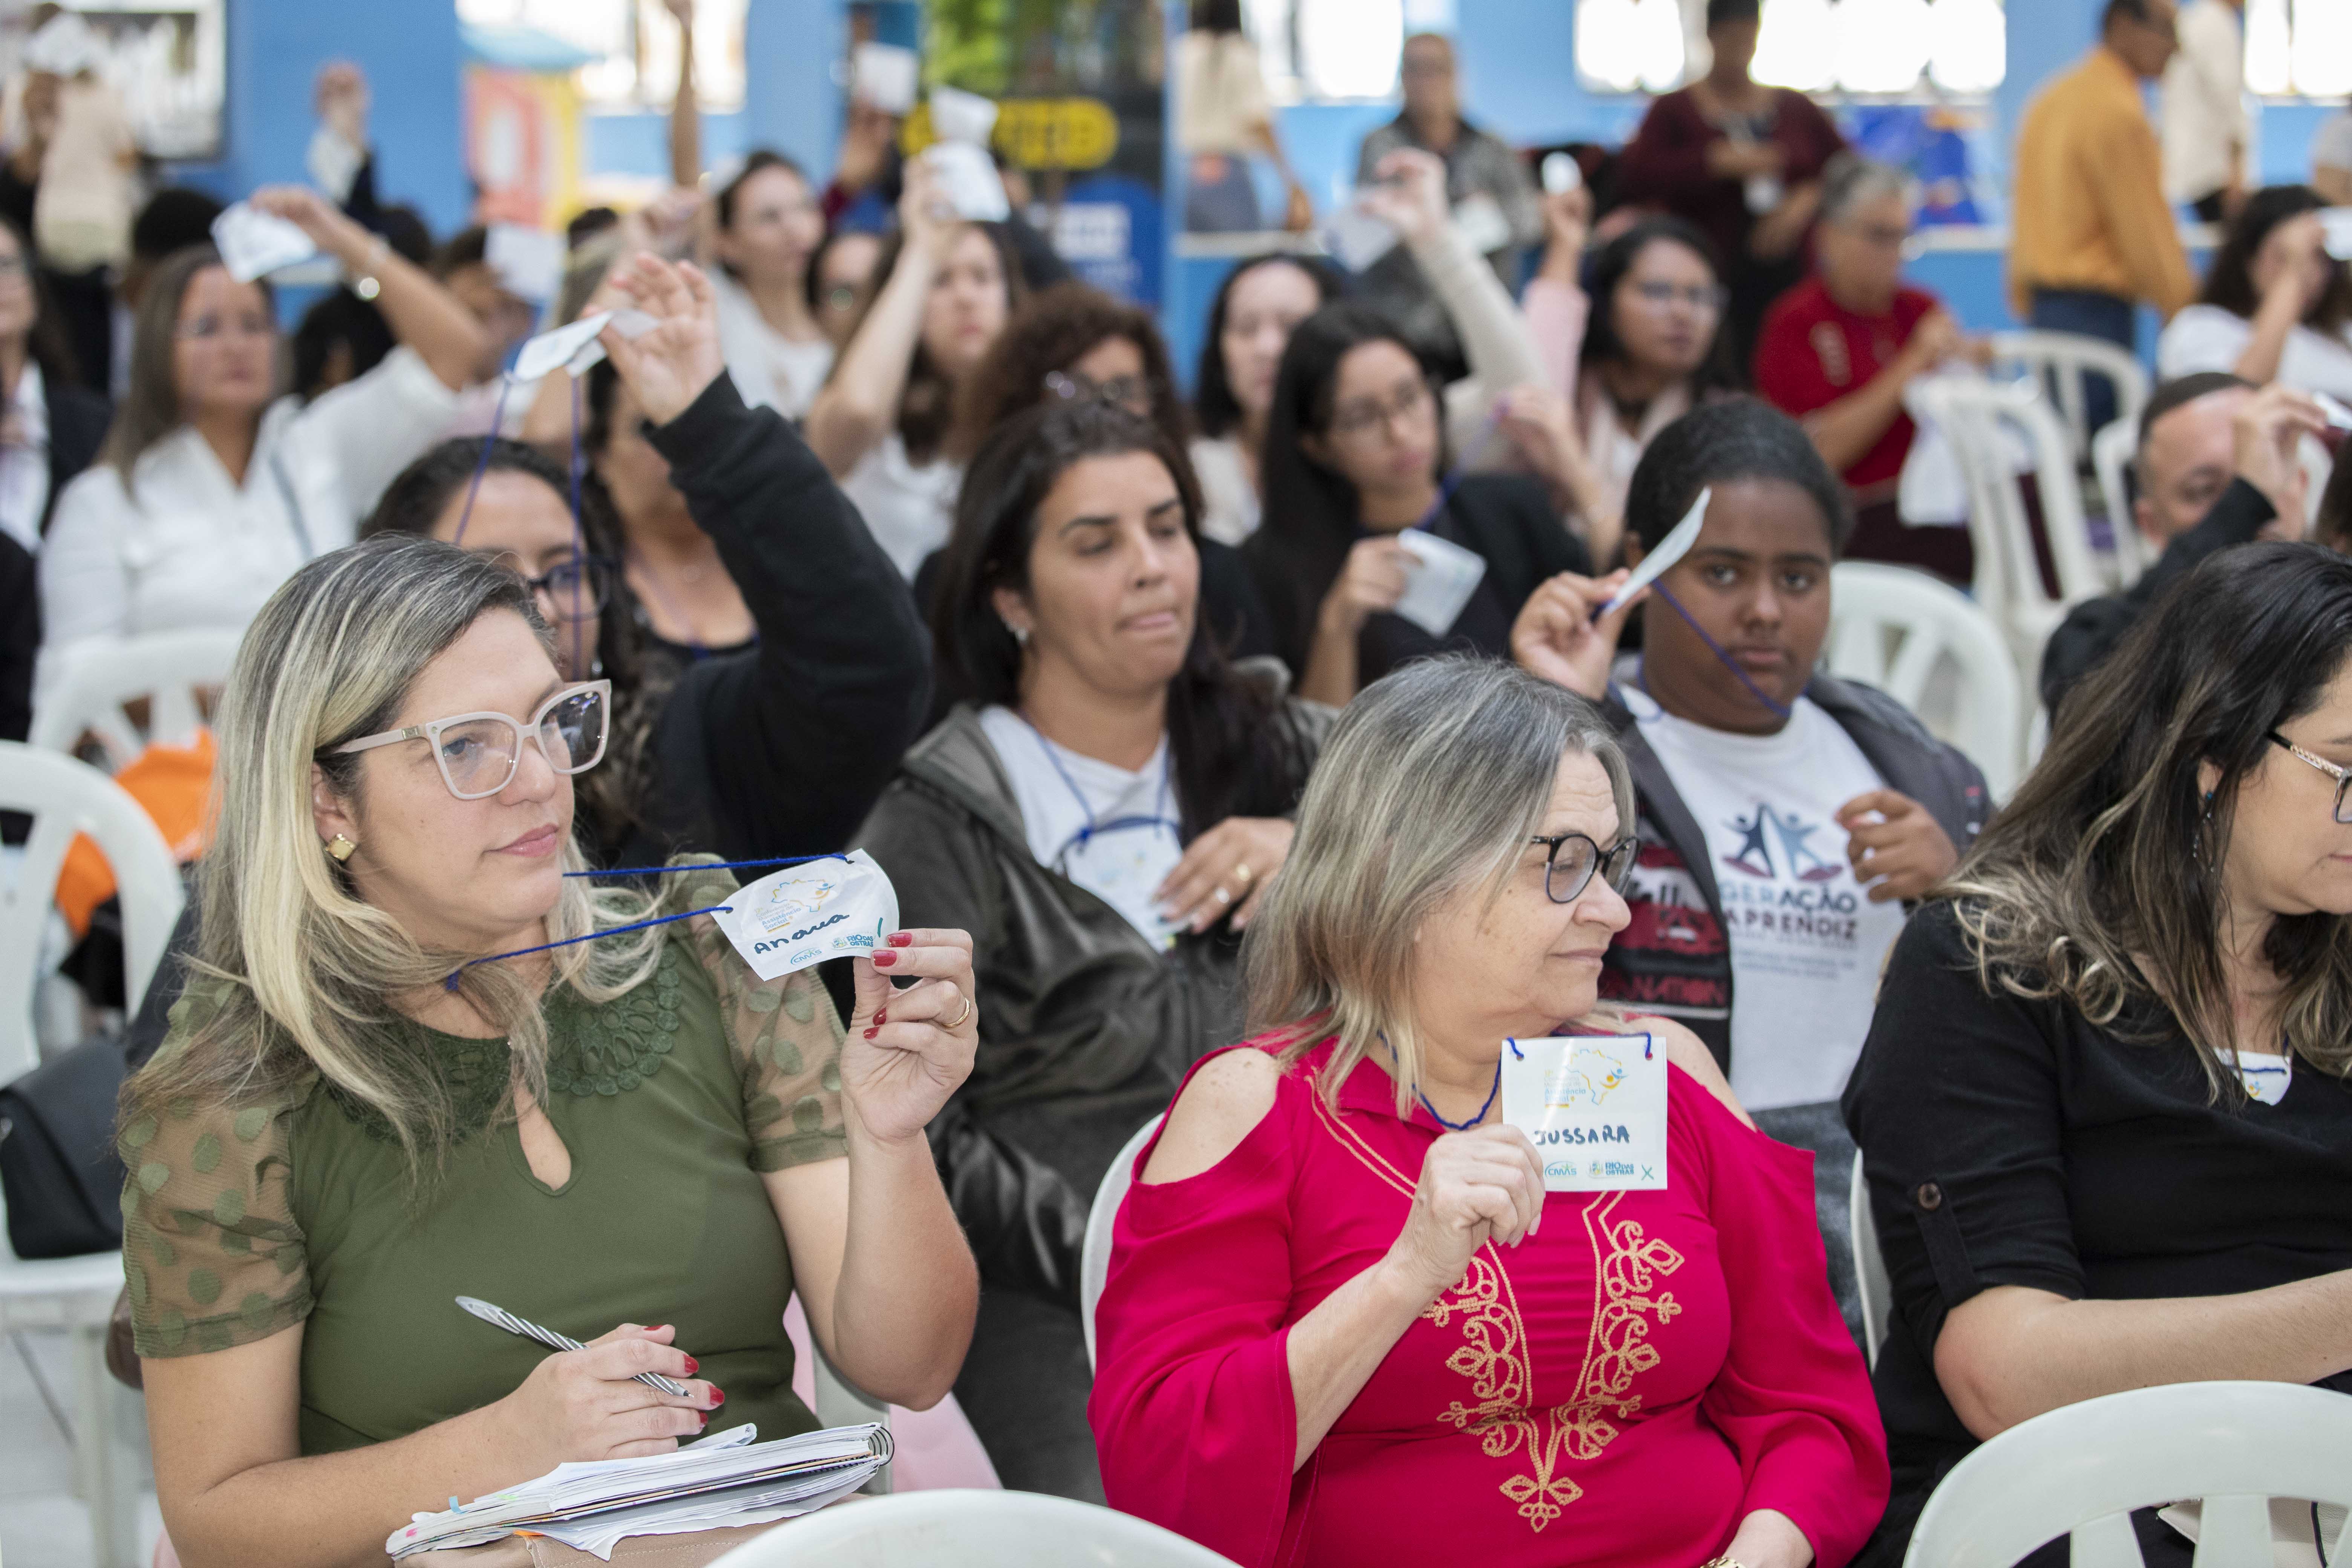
(1432, 781)
(294, 972)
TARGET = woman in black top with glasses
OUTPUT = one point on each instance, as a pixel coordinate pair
(2105, 1105)
(777, 749)
(1355, 459)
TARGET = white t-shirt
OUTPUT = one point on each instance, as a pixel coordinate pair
(24, 460)
(2206, 337)
(1136, 839)
(768, 368)
(1806, 944)
(1231, 507)
(909, 511)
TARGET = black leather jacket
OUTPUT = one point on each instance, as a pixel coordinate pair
(1086, 1028)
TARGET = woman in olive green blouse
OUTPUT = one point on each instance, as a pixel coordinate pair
(333, 1143)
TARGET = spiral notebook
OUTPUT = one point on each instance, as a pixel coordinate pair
(725, 1480)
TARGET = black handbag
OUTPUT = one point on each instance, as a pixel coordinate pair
(58, 1164)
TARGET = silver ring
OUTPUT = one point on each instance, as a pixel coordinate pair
(952, 1025)
(1223, 897)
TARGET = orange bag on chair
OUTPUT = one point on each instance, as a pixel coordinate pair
(174, 784)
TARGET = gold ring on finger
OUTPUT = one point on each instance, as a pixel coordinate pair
(957, 1022)
(1242, 873)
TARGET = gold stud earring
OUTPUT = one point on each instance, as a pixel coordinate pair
(340, 850)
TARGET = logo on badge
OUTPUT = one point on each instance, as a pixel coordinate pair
(1585, 1079)
(795, 900)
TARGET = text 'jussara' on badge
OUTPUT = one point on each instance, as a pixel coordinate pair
(839, 907)
(1595, 1106)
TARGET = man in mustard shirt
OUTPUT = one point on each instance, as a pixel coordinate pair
(2092, 232)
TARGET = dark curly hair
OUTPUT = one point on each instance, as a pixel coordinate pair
(1052, 332)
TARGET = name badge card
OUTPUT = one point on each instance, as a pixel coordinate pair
(833, 908)
(1595, 1106)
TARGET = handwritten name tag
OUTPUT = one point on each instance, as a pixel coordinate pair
(1595, 1106)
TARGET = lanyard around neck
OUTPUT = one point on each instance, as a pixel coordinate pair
(1094, 826)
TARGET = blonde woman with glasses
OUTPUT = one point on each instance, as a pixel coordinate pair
(401, 1074)
(1345, 1322)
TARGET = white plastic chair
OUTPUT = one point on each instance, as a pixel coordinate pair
(1094, 1258)
(77, 1294)
(2063, 358)
(167, 670)
(970, 1530)
(1976, 414)
(2111, 451)
(1871, 1283)
(1928, 621)
(2083, 1468)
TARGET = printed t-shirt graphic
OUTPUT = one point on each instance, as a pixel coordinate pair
(1806, 942)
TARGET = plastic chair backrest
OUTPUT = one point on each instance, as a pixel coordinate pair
(1869, 1265)
(2063, 359)
(64, 798)
(167, 670)
(1932, 622)
(2083, 1468)
(1991, 584)
(957, 1528)
(1094, 1258)
(2111, 451)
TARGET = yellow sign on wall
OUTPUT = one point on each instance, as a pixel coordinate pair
(1073, 133)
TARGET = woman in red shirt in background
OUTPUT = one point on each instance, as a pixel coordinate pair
(1838, 349)
(1345, 1322)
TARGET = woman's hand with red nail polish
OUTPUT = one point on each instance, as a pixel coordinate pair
(908, 1050)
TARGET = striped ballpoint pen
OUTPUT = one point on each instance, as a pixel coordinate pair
(549, 1337)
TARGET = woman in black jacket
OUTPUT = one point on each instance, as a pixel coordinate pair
(1355, 461)
(1102, 815)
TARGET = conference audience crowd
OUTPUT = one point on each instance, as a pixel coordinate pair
(1266, 771)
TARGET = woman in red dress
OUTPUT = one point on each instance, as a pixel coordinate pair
(1338, 1327)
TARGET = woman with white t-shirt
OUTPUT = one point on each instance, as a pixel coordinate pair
(769, 224)
(2276, 306)
(1106, 806)
(1786, 816)
(212, 488)
(940, 292)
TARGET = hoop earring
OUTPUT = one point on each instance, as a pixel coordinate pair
(340, 850)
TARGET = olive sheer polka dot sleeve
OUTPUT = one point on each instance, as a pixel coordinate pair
(211, 1255)
(786, 1040)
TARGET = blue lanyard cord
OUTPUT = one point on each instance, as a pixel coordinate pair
(474, 487)
(705, 866)
(1716, 648)
(1455, 1126)
(1160, 818)
(450, 983)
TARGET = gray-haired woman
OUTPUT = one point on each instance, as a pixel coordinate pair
(358, 1115)
(1838, 349)
(1335, 1330)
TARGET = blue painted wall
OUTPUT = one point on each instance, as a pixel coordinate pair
(409, 49)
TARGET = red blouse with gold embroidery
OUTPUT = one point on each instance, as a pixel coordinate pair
(1623, 1387)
